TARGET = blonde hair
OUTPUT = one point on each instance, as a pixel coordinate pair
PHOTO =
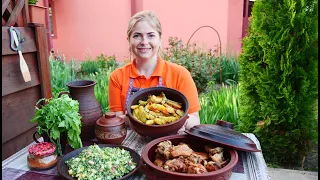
(148, 16)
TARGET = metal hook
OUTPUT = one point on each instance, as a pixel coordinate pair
(12, 44)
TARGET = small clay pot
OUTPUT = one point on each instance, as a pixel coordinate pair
(110, 129)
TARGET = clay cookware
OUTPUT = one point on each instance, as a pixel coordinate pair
(155, 131)
(110, 129)
(154, 172)
(219, 134)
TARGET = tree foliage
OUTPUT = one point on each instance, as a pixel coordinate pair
(279, 78)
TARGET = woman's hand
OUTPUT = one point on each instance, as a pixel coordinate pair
(193, 120)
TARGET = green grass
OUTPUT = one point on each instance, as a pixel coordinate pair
(220, 104)
(61, 73)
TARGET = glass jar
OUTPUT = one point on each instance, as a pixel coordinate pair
(42, 156)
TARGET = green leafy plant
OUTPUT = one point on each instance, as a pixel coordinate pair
(279, 78)
(59, 116)
(61, 73)
(220, 104)
(200, 63)
(32, 1)
(230, 69)
(101, 62)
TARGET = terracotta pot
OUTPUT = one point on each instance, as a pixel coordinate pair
(110, 129)
(37, 13)
(154, 172)
(89, 107)
(155, 131)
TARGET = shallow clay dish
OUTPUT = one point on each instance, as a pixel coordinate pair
(63, 169)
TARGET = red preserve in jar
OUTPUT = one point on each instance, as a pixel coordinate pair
(42, 156)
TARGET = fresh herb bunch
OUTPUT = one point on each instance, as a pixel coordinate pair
(59, 116)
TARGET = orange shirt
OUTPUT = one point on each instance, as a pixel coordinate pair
(173, 76)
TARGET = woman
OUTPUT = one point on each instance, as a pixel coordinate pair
(149, 70)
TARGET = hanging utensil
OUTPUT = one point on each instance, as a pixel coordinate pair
(15, 37)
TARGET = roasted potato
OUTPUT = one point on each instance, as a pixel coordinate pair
(157, 110)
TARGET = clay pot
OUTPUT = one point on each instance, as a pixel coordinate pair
(155, 131)
(89, 107)
(110, 129)
(152, 171)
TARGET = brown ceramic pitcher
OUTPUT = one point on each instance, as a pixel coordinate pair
(89, 107)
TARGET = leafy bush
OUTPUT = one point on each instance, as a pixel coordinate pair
(230, 70)
(220, 104)
(101, 62)
(196, 61)
(203, 65)
(279, 78)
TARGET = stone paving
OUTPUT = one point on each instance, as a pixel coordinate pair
(287, 174)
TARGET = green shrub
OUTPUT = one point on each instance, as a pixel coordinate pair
(219, 104)
(198, 62)
(279, 78)
(101, 62)
(230, 70)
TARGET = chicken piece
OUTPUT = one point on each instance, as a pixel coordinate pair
(196, 169)
(211, 150)
(164, 148)
(198, 157)
(211, 166)
(181, 150)
(217, 157)
(175, 165)
(159, 161)
(203, 155)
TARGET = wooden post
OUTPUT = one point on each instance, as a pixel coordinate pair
(43, 59)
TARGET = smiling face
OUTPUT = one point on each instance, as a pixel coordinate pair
(144, 41)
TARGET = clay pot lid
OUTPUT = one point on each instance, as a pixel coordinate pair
(109, 119)
(222, 132)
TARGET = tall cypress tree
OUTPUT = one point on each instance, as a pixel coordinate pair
(279, 78)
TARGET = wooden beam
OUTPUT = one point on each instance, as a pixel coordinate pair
(43, 59)
(15, 13)
(25, 13)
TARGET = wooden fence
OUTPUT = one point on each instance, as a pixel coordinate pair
(19, 97)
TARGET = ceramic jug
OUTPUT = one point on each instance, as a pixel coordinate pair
(89, 107)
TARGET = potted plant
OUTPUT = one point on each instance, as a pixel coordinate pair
(37, 11)
(57, 119)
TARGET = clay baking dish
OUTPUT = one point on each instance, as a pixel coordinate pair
(155, 131)
(153, 172)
